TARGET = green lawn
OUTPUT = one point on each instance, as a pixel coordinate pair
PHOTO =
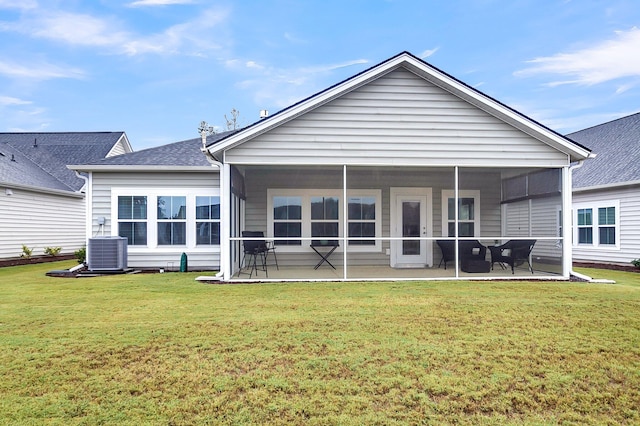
(164, 349)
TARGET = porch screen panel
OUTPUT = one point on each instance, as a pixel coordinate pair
(546, 230)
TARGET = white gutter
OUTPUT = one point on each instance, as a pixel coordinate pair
(572, 272)
(224, 220)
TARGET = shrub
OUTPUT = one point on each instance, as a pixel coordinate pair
(26, 252)
(52, 251)
(636, 263)
(81, 254)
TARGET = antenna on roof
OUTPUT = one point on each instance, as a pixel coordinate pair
(204, 131)
(35, 142)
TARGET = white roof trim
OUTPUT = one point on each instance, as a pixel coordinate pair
(71, 194)
(607, 186)
(140, 168)
(427, 72)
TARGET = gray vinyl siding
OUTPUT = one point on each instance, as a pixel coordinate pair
(398, 119)
(40, 220)
(258, 180)
(166, 257)
(629, 250)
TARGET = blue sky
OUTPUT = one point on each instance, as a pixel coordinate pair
(156, 68)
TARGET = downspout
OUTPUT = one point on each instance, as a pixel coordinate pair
(223, 244)
(87, 206)
(567, 214)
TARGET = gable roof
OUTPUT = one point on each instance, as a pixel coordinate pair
(426, 71)
(616, 145)
(182, 155)
(40, 159)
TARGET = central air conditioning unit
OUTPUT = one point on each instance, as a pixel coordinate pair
(107, 254)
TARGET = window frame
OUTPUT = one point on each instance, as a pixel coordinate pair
(306, 195)
(595, 224)
(172, 221)
(118, 221)
(211, 220)
(463, 193)
(152, 195)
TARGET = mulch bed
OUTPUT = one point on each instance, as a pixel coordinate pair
(614, 267)
(15, 261)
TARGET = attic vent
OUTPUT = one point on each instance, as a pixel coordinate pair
(107, 253)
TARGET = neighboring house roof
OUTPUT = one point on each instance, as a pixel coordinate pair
(182, 155)
(616, 145)
(38, 160)
(429, 73)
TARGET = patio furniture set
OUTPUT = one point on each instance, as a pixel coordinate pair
(471, 253)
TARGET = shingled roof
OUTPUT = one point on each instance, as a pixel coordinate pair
(40, 159)
(186, 153)
(617, 148)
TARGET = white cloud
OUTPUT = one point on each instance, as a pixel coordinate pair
(78, 29)
(281, 87)
(428, 53)
(18, 4)
(606, 61)
(190, 38)
(38, 71)
(330, 67)
(9, 100)
(142, 3)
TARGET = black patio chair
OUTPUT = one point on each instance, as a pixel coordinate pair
(448, 249)
(253, 250)
(469, 251)
(514, 253)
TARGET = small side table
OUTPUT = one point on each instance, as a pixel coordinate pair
(331, 245)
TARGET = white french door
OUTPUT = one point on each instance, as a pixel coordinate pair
(410, 218)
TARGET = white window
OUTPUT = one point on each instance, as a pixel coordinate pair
(362, 219)
(132, 219)
(597, 224)
(468, 213)
(286, 219)
(185, 218)
(207, 220)
(172, 221)
(318, 215)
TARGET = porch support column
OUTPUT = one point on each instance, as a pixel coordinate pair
(567, 229)
(456, 195)
(345, 221)
(225, 221)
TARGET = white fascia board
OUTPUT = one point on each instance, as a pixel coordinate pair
(607, 186)
(71, 194)
(138, 168)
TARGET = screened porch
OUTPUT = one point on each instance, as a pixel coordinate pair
(387, 223)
